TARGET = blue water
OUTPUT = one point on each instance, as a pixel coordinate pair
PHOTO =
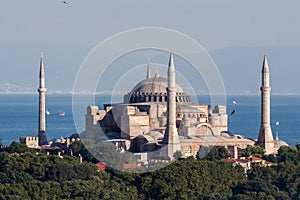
(284, 109)
(19, 116)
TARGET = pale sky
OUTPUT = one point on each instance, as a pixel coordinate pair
(66, 34)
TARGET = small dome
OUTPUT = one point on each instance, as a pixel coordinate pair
(279, 143)
(154, 90)
(57, 141)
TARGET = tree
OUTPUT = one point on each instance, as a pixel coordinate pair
(288, 154)
(214, 153)
(16, 147)
(191, 179)
(31, 176)
(298, 146)
(78, 148)
(256, 151)
(203, 151)
(177, 154)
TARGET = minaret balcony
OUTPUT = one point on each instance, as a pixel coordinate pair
(265, 89)
(42, 89)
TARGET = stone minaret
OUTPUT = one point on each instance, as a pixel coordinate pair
(171, 138)
(42, 103)
(265, 136)
(148, 69)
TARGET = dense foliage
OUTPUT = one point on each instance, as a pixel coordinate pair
(32, 175)
(254, 151)
(212, 153)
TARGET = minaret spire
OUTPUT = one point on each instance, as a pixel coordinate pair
(156, 72)
(277, 137)
(42, 72)
(265, 136)
(265, 68)
(148, 69)
(171, 138)
(42, 104)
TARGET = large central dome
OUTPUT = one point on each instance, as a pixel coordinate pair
(154, 90)
(154, 85)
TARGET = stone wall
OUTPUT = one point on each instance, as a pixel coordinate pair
(30, 142)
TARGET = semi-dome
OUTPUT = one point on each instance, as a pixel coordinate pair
(154, 90)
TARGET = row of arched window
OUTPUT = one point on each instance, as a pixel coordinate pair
(156, 98)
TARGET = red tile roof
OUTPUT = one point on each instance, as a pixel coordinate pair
(101, 166)
(253, 158)
(131, 166)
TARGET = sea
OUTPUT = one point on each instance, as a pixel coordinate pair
(19, 115)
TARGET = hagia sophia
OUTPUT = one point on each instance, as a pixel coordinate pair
(157, 115)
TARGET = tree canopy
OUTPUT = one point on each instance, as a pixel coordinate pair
(35, 175)
(256, 151)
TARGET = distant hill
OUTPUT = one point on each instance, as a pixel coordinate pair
(240, 68)
(9, 88)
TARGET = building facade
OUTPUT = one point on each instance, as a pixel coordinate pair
(157, 114)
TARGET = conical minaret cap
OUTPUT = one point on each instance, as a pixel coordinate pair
(171, 63)
(265, 67)
(42, 69)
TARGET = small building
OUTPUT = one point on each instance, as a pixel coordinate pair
(30, 141)
(259, 161)
(142, 157)
(244, 163)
